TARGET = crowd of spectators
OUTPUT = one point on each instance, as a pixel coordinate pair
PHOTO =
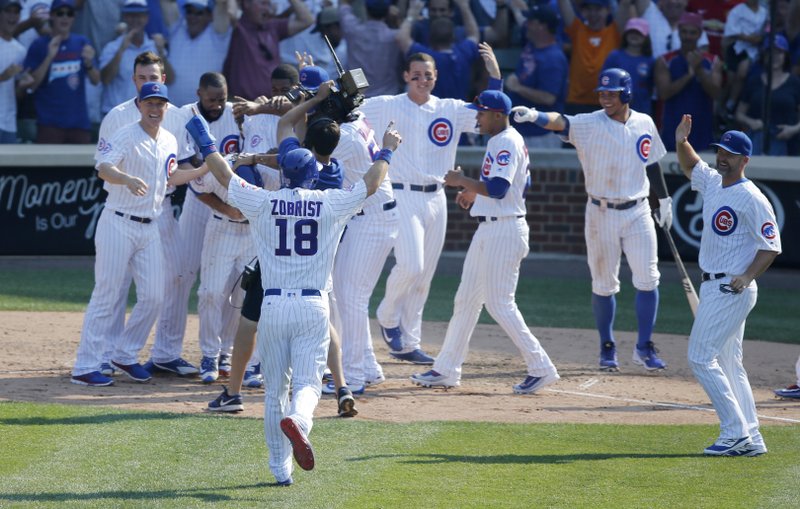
(65, 63)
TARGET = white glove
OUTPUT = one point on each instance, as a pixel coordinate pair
(664, 216)
(524, 114)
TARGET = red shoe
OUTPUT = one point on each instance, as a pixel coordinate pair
(301, 447)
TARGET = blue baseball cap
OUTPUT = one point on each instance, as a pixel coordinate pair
(134, 6)
(312, 76)
(779, 42)
(601, 3)
(153, 89)
(735, 142)
(57, 4)
(492, 100)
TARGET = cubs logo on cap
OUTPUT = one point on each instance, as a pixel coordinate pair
(643, 147)
(440, 132)
(724, 221)
(768, 230)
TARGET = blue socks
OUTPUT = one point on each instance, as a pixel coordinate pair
(646, 310)
(604, 309)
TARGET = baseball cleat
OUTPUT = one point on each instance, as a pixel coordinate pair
(755, 449)
(347, 403)
(226, 403)
(433, 379)
(327, 376)
(93, 379)
(730, 447)
(285, 483)
(792, 392)
(301, 447)
(177, 366)
(393, 337)
(415, 357)
(208, 370)
(106, 369)
(608, 357)
(224, 365)
(330, 388)
(135, 371)
(648, 357)
(531, 384)
(253, 378)
(375, 381)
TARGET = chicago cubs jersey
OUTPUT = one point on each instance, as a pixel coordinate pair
(430, 134)
(614, 154)
(356, 152)
(506, 158)
(297, 230)
(260, 133)
(134, 152)
(224, 129)
(738, 221)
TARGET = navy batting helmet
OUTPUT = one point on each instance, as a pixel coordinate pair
(616, 80)
(299, 168)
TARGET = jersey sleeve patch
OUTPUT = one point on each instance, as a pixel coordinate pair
(768, 230)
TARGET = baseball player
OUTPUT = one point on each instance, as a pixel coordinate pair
(619, 150)
(740, 240)
(433, 127)
(138, 162)
(298, 231)
(166, 350)
(792, 391)
(491, 267)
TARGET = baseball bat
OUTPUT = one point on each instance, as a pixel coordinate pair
(688, 287)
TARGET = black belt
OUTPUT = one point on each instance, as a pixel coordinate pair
(710, 277)
(430, 188)
(618, 206)
(483, 219)
(143, 220)
(304, 293)
(246, 221)
(389, 205)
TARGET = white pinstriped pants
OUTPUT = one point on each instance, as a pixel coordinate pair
(715, 356)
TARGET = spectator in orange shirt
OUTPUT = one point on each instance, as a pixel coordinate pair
(593, 37)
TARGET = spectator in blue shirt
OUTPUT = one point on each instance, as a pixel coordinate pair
(636, 56)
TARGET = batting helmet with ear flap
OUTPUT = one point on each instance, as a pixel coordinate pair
(616, 80)
(299, 168)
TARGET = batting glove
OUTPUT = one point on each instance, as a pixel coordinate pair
(664, 216)
(523, 114)
(198, 129)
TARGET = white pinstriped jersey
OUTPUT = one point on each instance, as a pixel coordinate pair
(208, 183)
(224, 129)
(430, 134)
(134, 152)
(507, 158)
(297, 230)
(614, 155)
(355, 152)
(260, 134)
(738, 221)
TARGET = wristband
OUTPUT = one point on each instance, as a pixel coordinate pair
(495, 84)
(385, 155)
(542, 119)
(207, 150)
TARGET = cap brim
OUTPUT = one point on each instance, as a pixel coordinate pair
(157, 96)
(727, 148)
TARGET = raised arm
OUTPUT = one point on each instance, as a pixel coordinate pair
(377, 172)
(403, 36)
(687, 157)
(550, 120)
(302, 18)
(221, 18)
(470, 24)
(497, 32)
(623, 14)
(567, 12)
(298, 113)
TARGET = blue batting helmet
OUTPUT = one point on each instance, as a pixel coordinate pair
(299, 168)
(616, 80)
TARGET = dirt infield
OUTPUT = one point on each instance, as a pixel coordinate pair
(39, 349)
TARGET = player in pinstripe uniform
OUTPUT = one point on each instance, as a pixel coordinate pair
(491, 268)
(432, 127)
(740, 241)
(166, 351)
(137, 162)
(619, 150)
(298, 231)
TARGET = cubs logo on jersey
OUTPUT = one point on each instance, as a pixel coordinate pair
(229, 145)
(768, 230)
(724, 221)
(255, 140)
(643, 147)
(487, 165)
(172, 162)
(103, 146)
(440, 132)
(503, 158)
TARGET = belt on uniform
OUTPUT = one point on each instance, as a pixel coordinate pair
(246, 221)
(430, 188)
(483, 219)
(143, 220)
(389, 205)
(304, 293)
(617, 206)
(710, 277)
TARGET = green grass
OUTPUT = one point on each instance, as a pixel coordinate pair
(69, 456)
(544, 302)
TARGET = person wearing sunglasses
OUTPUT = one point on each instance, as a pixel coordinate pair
(740, 240)
(60, 63)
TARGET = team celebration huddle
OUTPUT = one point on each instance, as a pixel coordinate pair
(295, 202)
